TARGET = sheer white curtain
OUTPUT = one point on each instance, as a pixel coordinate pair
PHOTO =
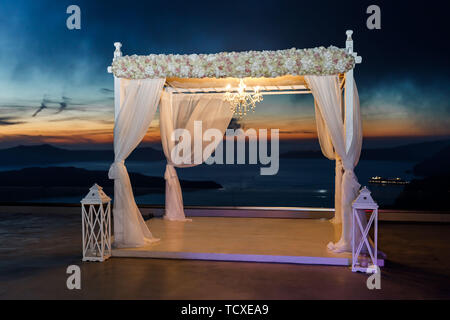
(138, 105)
(184, 111)
(326, 145)
(327, 94)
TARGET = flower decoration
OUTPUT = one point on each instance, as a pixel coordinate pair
(270, 64)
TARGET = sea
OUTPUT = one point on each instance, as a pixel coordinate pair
(35, 241)
(298, 183)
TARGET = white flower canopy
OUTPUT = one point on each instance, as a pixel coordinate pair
(255, 64)
(141, 83)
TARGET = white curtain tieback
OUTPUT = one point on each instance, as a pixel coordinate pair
(347, 166)
(114, 168)
(339, 164)
(170, 172)
(349, 176)
(349, 172)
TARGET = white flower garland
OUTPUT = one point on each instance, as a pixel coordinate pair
(271, 64)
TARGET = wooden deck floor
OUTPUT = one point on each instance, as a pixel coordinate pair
(301, 241)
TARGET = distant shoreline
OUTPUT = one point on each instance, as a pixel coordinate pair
(53, 182)
(49, 154)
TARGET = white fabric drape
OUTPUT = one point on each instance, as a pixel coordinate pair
(138, 106)
(181, 111)
(326, 145)
(327, 94)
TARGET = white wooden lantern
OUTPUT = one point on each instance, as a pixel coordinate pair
(363, 205)
(96, 225)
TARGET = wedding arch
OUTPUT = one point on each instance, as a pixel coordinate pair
(191, 87)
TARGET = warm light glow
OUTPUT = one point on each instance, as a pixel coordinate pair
(242, 100)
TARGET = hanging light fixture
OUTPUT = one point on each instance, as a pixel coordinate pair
(243, 101)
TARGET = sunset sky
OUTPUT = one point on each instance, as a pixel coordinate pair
(403, 80)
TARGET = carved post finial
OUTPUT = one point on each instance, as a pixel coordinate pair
(349, 34)
(349, 42)
(349, 46)
(117, 52)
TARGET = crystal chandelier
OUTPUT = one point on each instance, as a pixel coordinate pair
(242, 100)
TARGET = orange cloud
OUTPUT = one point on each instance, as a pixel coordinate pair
(95, 130)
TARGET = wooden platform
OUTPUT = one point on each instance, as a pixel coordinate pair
(299, 241)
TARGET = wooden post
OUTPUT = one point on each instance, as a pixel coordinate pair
(349, 93)
(118, 227)
(117, 53)
(349, 96)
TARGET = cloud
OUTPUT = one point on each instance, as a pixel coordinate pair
(106, 90)
(47, 59)
(42, 107)
(234, 124)
(9, 121)
(297, 131)
(93, 137)
(85, 118)
(424, 106)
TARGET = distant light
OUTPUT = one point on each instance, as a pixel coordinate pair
(322, 191)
